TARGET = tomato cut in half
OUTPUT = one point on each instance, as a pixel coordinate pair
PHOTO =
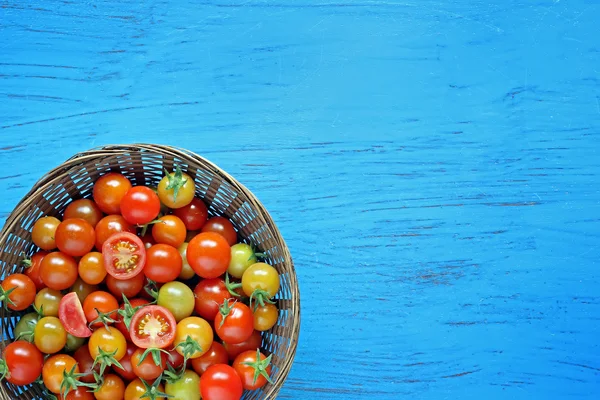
(70, 313)
(152, 326)
(124, 255)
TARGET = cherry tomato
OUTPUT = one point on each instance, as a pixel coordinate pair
(109, 190)
(223, 227)
(49, 335)
(25, 327)
(140, 205)
(44, 231)
(58, 270)
(127, 371)
(221, 382)
(110, 225)
(72, 317)
(175, 359)
(33, 269)
(265, 317)
(148, 240)
(248, 364)
(124, 255)
(137, 391)
(176, 189)
(74, 342)
(146, 368)
(170, 230)
(120, 324)
(17, 292)
(80, 393)
(83, 289)
(163, 263)
(198, 330)
(85, 209)
(75, 237)
(252, 343)
(22, 363)
(109, 341)
(178, 298)
(86, 364)
(215, 355)
(100, 302)
(186, 271)
(112, 388)
(47, 302)
(234, 323)
(54, 369)
(260, 281)
(242, 257)
(91, 268)
(209, 254)
(152, 326)
(129, 287)
(210, 294)
(194, 215)
(185, 388)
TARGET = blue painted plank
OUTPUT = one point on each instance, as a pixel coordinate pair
(432, 166)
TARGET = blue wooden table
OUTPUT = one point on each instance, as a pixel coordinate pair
(432, 165)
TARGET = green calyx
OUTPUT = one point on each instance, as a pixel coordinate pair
(4, 372)
(257, 254)
(260, 367)
(172, 375)
(260, 297)
(4, 297)
(152, 289)
(146, 226)
(71, 382)
(127, 311)
(152, 392)
(188, 347)
(26, 262)
(104, 318)
(155, 352)
(106, 359)
(175, 181)
(225, 310)
(232, 286)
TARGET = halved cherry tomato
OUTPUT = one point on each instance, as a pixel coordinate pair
(209, 295)
(86, 364)
(140, 205)
(127, 371)
(109, 189)
(49, 335)
(252, 343)
(194, 215)
(163, 263)
(44, 231)
(124, 255)
(112, 388)
(54, 369)
(22, 362)
(110, 225)
(169, 230)
(234, 323)
(221, 382)
(176, 189)
(58, 270)
(75, 237)
(152, 326)
(47, 302)
(32, 269)
(199, 331)
(146, 368)
(215, 355)
(85, 209)
(209, 254)
(250, 363)
(17, 292)
(91, 268)
(100, 302)
(129, 287)
(223, 227)
(70, 313)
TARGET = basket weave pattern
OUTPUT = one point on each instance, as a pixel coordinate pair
(145, 165)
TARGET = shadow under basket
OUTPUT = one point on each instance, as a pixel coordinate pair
(144, 164)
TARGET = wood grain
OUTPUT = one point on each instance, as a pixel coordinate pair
(432, 166)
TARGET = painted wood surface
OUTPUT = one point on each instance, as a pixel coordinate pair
(432, 165)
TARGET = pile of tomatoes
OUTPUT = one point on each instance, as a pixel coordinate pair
(138, 294)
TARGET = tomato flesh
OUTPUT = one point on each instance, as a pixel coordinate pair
(124, 255)
(70, 313)
(152, 326)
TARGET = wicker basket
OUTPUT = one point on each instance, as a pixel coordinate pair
(144, 164)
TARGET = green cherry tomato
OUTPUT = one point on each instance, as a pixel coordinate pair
(73, 342)
(185, 388)
(242, 257)
(178, 298)
(26, 326)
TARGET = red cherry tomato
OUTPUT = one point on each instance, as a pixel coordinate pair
(170, 230)
(23, 361)
(33, 269)
(120, 325)
(100, 302)
(234, 323)
(109, 189)
(124, 255)
(223, 227)
(252, 343)
(129, 287)
(163, 263)
(209, 295)
(148, 240)
(194, 215)
(85, 209)
(175, 359)
(70, 313)
(140, 205)
(75, 237)
(215, 355)
(86, 364)
(18, 292)
(247, 363)
(152, 326)
(146, 368)
(208, 254)
(221, 382)
(58, 270)
(110, 225)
